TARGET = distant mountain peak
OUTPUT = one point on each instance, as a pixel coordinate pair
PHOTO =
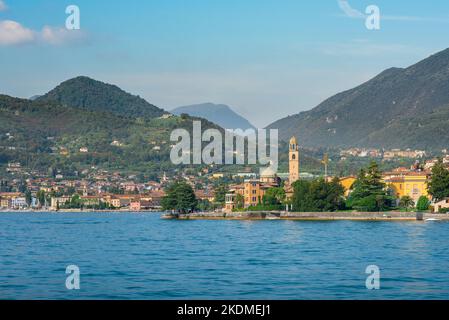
(221, 114)
(87, 93)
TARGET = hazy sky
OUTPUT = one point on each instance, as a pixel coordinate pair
(265, 58)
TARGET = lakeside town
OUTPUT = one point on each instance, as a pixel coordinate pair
(216, 191)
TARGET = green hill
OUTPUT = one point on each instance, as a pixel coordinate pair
(399, 108)
(44, 134)
(86, 93)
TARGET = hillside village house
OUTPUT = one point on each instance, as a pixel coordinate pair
(397, 153)
(112, 201)
(91, 200)
(19, 203)
(59, 201)
(135, 205)
(443, 204)
(208, 195)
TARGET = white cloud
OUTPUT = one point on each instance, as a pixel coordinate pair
(13, 33)
(3, 6)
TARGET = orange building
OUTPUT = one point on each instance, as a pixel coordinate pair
(253, 193)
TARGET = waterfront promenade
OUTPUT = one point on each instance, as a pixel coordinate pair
(283, 215)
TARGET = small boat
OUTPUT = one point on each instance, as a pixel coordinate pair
(433, 219)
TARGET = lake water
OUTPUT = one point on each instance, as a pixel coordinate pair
(140, 256)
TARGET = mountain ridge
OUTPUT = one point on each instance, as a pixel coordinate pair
(398, 108)
(221, 114)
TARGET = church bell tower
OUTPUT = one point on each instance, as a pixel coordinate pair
(293, 160)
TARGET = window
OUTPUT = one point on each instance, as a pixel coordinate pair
(293, 156)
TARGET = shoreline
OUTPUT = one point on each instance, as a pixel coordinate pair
(311, 216)
(78, 211)
(267, 215)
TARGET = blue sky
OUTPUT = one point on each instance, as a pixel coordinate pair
(265, 58)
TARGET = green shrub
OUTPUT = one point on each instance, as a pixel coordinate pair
(423, 204)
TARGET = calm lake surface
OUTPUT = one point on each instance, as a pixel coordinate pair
(140, 256)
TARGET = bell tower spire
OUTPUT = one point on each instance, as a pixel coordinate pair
(293, 160)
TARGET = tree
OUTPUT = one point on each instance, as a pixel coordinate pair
(180, 197)
(75, 202)
(220, 193)
(406, 202)
(40, 195)
(28, 197)
(318, 195)
(439, 182)
(169, 201)
(327, 196)
(70, 190)
(274, 196)
(22, 188)
(239, 201)
(205, 205)
(423, 203)
(369, 192)
(302, 201)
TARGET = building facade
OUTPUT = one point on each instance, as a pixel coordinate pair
(412, 184)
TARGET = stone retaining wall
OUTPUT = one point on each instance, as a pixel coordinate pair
(273, 215)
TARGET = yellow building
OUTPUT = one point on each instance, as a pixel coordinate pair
(112, 201)
(217, 175)
(347, 183)
(293, 161)
(400, 182)
(5, 202)
(412, 184)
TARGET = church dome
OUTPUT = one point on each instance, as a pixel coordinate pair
(293, 140)
(267, 172)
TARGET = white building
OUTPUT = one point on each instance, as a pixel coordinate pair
(18, 203)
